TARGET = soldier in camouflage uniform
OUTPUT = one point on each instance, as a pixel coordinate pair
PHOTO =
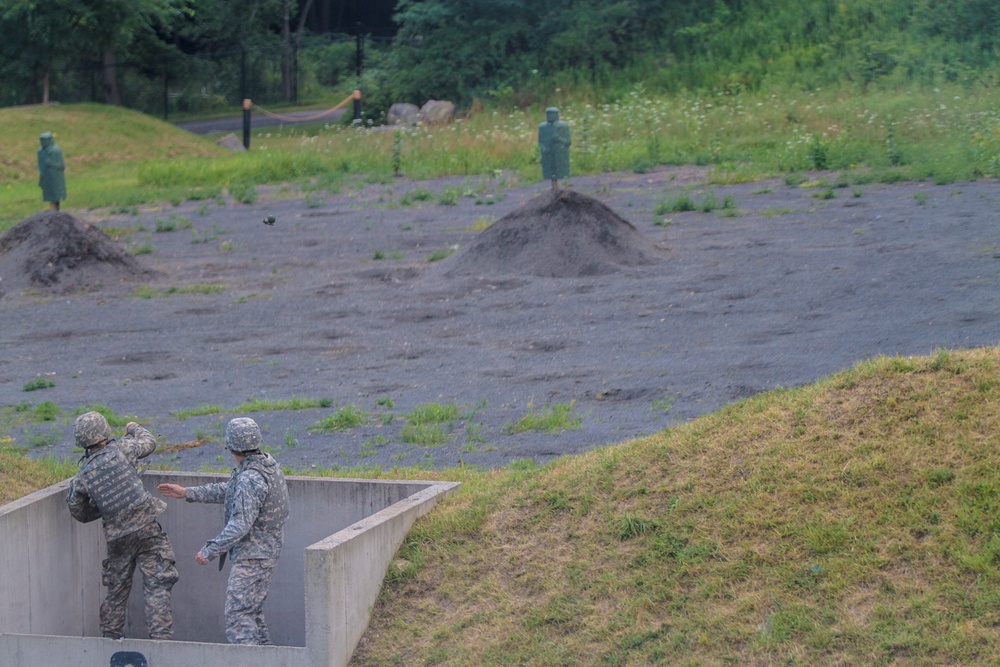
(108, 487)
(256, 502)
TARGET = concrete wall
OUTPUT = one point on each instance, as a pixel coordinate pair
(49, 651)
(45, 557)
(340, 538)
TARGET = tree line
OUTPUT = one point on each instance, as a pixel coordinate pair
(516, 50)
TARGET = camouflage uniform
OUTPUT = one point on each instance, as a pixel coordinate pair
(256, 502)
(108, 486)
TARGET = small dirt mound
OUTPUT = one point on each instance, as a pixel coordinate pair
(559, 234)
(56, 252)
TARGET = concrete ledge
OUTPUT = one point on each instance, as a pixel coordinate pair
(29, 650)
(340, 539)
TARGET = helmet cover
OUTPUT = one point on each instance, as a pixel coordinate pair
(243, 435)
(90, 429)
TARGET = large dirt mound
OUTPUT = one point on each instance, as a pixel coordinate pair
(56, 252)
(559, 234)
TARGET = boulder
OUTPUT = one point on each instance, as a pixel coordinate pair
(435, 112)
(403, 113)
(232, 142)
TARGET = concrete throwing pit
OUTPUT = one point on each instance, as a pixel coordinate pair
(339, 541)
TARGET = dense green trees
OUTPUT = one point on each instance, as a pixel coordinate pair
(466, 48)
(519, 50)
(39, 34)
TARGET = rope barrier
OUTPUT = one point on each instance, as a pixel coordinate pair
(305, 119)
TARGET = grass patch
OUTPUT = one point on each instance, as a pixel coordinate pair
(20, 476)
(293, 403)
(146, 292)
(548, 419)
(443, 253)
(345, 418)
(40, 382)
(425, 435)
(197, 412)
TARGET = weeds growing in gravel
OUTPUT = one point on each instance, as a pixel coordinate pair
(549, 419)
(40, 382)
(347, 417)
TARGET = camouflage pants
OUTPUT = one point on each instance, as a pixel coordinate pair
(150, 549)
(245, 595)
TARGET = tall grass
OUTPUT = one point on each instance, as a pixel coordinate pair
(943, 133)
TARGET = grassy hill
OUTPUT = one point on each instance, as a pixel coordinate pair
(855, 521)
(103, 146)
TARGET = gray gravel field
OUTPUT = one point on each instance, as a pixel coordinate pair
(338, 301)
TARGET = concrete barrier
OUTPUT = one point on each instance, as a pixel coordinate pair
(340, 538)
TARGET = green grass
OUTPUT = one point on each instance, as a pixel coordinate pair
(293, 403)
(40, 382)
(345, 418)
(197, 412)
(104, 148)
(548, 419)
(119, 160)
(146, 292)
(853, 521)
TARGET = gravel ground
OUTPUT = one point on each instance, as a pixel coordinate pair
(337, 300)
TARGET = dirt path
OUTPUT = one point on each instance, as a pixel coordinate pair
(338, 300)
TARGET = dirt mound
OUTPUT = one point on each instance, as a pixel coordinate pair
(559, 234)
(56, 252)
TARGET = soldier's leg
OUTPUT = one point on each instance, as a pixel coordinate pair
(159, 574)
(118, 569)
(245, 596)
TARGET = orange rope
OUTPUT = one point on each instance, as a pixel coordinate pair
(307, 118)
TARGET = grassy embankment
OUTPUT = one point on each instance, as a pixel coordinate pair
(117, 159)
(854, 521)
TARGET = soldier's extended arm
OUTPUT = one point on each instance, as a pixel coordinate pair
(209, 493)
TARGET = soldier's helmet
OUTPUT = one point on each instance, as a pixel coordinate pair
(90, 429)
(243, 435)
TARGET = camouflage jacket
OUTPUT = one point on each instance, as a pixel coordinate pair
(108, 486)
(256, 500)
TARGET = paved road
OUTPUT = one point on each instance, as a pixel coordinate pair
(257, 119)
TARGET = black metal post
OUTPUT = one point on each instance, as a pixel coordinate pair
(246, 124)
(357, 105)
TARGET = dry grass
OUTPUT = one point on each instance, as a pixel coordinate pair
(20, 476)
(854, 521)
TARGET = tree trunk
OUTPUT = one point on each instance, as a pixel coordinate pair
(287, 75)
(111, 95)
(45, 83)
